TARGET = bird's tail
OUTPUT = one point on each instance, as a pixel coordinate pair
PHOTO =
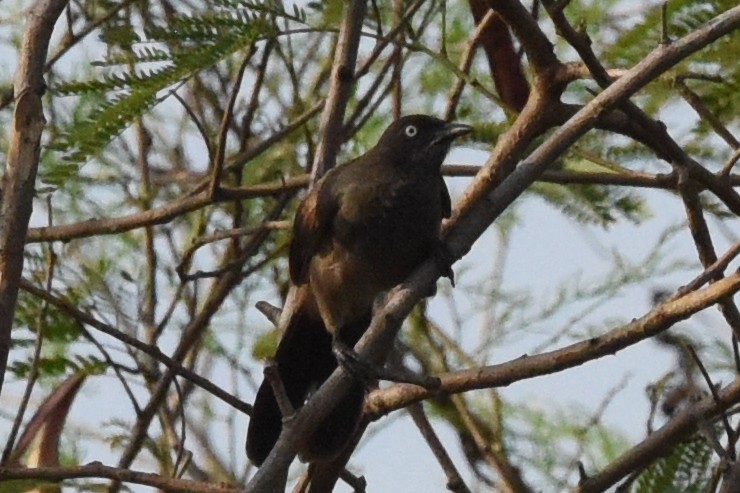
(304, 361)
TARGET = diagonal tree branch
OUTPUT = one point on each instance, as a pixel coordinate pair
(655, 321)
(659, 140)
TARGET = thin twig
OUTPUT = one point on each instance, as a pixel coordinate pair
(454, 480)
(153, 351)
(727, 168)
(465, 63)
(181, 445)
(165, 213)
(220, 155)
(34, 372)
(715, 395)
(253, 104)
(223, 235)
(711, 272)
(706, 114)
(198, 124)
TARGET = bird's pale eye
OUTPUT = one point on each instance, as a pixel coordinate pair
(411, 131)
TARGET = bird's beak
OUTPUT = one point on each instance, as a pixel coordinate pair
(452, 130)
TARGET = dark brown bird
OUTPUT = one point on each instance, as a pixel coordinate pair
(360, 231)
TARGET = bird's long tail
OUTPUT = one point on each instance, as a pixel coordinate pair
(304, 361)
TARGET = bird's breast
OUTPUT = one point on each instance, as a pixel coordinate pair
(392, 229)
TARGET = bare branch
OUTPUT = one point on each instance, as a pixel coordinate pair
(701, 109)
(658, 319)
(454, 480)
(23, 159)
(504, 62)
(467, 60)
(342, 79)
(98, 470)
(217, 165)
(163, 214)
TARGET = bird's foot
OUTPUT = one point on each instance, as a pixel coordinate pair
(367, 373)
(356, 367)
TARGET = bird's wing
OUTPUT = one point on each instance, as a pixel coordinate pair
(312, 227)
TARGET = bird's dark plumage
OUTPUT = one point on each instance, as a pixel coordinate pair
(361, 230)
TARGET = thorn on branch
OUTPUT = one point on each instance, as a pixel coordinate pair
(271, 312)
(358, 483)
(582, 33)
(664, 37)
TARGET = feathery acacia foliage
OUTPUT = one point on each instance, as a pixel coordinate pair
(187, 45)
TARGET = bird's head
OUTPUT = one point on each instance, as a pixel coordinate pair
(416, 141)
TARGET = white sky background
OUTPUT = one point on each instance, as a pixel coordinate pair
(547, 250)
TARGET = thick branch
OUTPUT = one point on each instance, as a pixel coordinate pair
(503, 61)
(342, 79)
(654, 322)
(23, 160)
(162, 214)
(539, 49)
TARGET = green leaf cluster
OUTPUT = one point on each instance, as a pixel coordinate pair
(151, 66)
(687, 469)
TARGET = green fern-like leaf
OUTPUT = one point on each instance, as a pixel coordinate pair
(187, 45)
(593, 204)
(144, 54)
(687, 469)
(682, 17)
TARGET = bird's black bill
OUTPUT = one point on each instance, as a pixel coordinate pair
(453, 130)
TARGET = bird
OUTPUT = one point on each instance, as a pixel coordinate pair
(361, 230)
